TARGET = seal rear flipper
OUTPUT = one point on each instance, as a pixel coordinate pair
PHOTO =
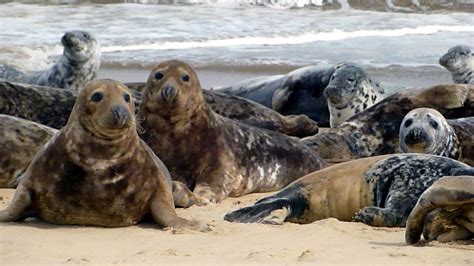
(268, 212)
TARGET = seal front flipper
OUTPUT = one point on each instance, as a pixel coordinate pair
(280, 97)
(19, 207)
(185, 198)
(269, 211)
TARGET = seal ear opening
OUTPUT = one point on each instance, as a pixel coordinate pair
(267, 212)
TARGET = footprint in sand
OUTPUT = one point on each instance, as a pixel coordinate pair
(306, 256)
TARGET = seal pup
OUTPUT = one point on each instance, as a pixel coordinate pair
(350, 91)
(425, 130)
(378, 191)
(459, 61)
(444, 212)
(78, 64)
(375, 131)
(52, 106)
(298, 92)
(20, 140)
(211, 155)
(96, 170)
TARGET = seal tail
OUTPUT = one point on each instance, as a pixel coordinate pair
(273, 211)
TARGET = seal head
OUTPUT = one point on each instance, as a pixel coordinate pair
(459, 60)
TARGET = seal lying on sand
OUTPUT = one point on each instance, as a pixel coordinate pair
(444, 212)
(78, 65)
(378, 191)
(375, 131)
(212, 155)
(298, 92)
(459, 61)
(349, 92)
(425, 130)
(51, 107)
(96, 170)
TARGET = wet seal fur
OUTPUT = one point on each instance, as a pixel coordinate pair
(459, 61)
(349, 92)
(52, 106)
(298, 92)
(96, 170)
(20, 140)
(375, 131)
(211, 155)
(444, 212)
(425, 130)
(378, 191)
(78, 65)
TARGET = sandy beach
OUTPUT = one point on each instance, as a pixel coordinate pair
(323, 242)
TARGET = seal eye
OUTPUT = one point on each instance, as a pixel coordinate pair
(408, 122)
(351, 80)
(126, 97)
(434, 124)
(159, 75)
(185, 78)
(97, 97)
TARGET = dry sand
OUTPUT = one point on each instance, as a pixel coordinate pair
(323, 242)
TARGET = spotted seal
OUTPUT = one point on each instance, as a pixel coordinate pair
(214, 156)
(51, 107)
(425, 130)
(20, 140)
(378, 191)
(459, 61)
(297, 92)
(375, 131)
(96, 170)
(350, 91)
(78, 64)
(444, 212)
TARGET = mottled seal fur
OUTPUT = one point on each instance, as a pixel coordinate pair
(378, 191)
(298, 92)
(425, 130)
(444, 212)
(459, 61)
(375, 131)
(212, 155)
(51, 107)
(78, 64)
(349, 92)
(20, 140)
(96, 170)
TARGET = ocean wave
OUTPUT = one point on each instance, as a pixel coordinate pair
(334, 35)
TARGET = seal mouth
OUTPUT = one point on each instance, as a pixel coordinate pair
(417, 140)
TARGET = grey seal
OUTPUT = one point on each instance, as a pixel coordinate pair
(459, 61)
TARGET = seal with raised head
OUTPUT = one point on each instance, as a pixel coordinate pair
(78, 65)
(349, 92)
(298, 92)
(375, 131)
(20, 140)
(214, 156)
(378, 191)
(425, 130)
(96, 170)
(459, 61)
(444, 212)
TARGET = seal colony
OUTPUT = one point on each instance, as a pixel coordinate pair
(77, 66)
(378, 191)
(52, 106)
(425, 130)
(459, 61)
(349, 92)
(96, 170)
(375, 131)
(444, 212)
(214, 156)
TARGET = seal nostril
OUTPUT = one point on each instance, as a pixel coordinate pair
(121, 115)
(168, 92)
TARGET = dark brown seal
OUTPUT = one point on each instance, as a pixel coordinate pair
(212, 155)
(96, 170)
(20, 140)
(375, 131)
(52, 106)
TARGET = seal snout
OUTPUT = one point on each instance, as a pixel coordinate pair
(417, 139)
(169, 92)
(121, 117)
(335, 95)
